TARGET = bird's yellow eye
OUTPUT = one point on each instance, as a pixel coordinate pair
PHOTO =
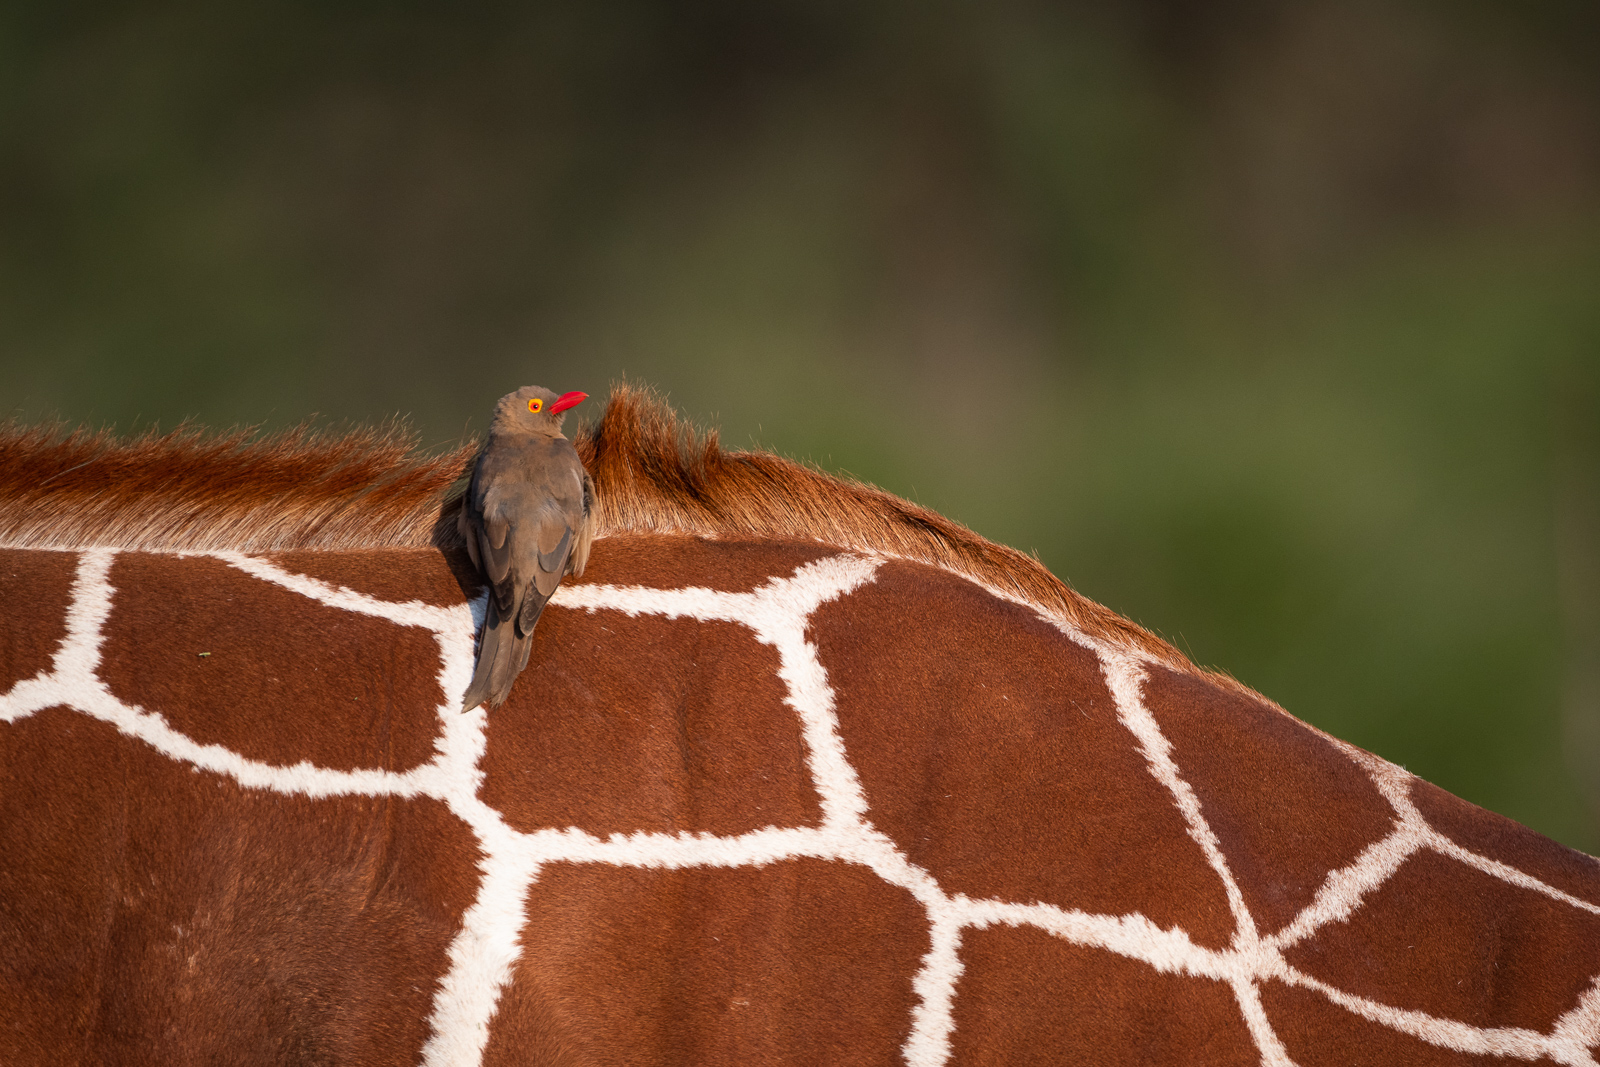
(535, 405)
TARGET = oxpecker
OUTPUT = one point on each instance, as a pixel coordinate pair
(527, 522)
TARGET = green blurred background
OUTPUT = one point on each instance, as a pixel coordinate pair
(1274, 326)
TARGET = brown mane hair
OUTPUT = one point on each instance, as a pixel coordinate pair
(653, 472)
(197, 490)
(200, 490)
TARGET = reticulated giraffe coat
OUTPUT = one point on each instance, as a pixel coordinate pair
(798, 773)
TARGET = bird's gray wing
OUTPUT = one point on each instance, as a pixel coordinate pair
(553, 561)
(580, 551)
(497, 544)
(554, 545)
(468, 531)
(485, 527)
(542, 562)
(561, 511)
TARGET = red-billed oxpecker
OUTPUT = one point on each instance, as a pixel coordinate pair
(526, 519)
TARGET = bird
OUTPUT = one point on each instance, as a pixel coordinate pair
(527, 518)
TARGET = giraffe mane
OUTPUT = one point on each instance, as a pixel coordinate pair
(194, 489)
(654, 472)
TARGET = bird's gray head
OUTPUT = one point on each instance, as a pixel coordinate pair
(533, 409)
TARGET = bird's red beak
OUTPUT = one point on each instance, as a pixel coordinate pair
(568, 400)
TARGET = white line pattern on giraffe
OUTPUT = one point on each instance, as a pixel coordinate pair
(484, 953)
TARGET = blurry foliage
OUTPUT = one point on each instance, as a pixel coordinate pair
(1272, 325)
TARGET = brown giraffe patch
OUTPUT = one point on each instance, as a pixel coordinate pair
(59, 852)
(1026, 997)
(799, 962)
(992, 754)
(282, 679)
(35, 588)
(1240, 756)
(1319, 1033)
(622, 724)
(175, 917)
(1489, 834)
(1447, 939)
(676, 561)
(441, 578)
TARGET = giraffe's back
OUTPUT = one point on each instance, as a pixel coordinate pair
(751, 802)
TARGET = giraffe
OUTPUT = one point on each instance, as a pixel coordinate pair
(882, 794)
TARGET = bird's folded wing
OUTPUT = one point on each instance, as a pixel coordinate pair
(580, 549)
(496, 545)
(555, 542)
(468, 530)
(554, 560)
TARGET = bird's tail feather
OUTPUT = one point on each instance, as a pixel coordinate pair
(501, 657)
